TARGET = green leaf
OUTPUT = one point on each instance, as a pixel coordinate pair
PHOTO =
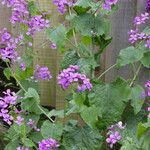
(36, 137)
(30, 105)
(147, 30)
(58, 36)
(12, 145)
(136, 100)
(56, 113)
(32, 93)
(51, 130)
(129, 146)
(69, 58)
(27, 142)
(128, 56)
(83, 138)
(90, 115)
(109, 99)
(93, 24)
(33, 10)
(146, 60)
(7, 73)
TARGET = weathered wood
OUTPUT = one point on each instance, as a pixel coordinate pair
(4, 17)
(144, 74)
(46, 57)
(121, 23)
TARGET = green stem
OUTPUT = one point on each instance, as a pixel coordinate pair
(26, 91)
(107, 71)
(46, 114)
(136, 74)
(18, 82)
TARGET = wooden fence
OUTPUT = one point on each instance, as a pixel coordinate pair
(51, 94)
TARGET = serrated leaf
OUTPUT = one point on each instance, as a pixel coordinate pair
(128, 56)
(83, 138)
(32, 93)
(28, 143)
(56, 113)
(12, 145)
(110, 100)
(7, 73)
(90, 115)
(51, 130)
(146, 60)
(58, 36)
(70, 58)
(136, 99)
(93, 24)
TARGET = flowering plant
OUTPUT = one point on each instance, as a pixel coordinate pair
(115, 115)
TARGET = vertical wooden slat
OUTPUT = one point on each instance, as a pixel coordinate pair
(144, 73)
(4, 17)
(121, 23)
(46, 57)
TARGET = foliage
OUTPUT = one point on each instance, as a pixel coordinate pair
(114, 114)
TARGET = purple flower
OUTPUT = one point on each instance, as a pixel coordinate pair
(147, 85)
(9, 45)
(70, 75)
(53, 46)
(141, 19)
(113, 133)
(48, 144)
(22, 148)
(42, 73)
(148, 5)
(61, 4)
(111, 2)
(106, 7)
(108, 3)
(30, 44)
(37, 23)
(147, 43)
(19, 120)
(30, 123)
(23, 66)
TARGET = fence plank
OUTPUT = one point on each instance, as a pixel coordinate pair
(46, 57)
(121, 22)
(144, 73)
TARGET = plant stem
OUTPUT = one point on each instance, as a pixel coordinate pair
(136, 74)
(107, 71)
(18, 82)
(26, 91)
(46, 114)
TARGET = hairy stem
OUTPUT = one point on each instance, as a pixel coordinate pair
(135, 75)
(107, 70)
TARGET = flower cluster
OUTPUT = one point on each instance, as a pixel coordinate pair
(20, 14)
(20, 11)
(19, 120)
(70, 75)
(31, 123)
(114, 135)
(48, 144)
(147, 85)
(22, 148)
(148, 5)
(141, 19)
(108, 3)
(149, 112)
(9, 44)
(135, 35)
(5, 103)
(61, 4)
(42, 73)
(37, 23)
